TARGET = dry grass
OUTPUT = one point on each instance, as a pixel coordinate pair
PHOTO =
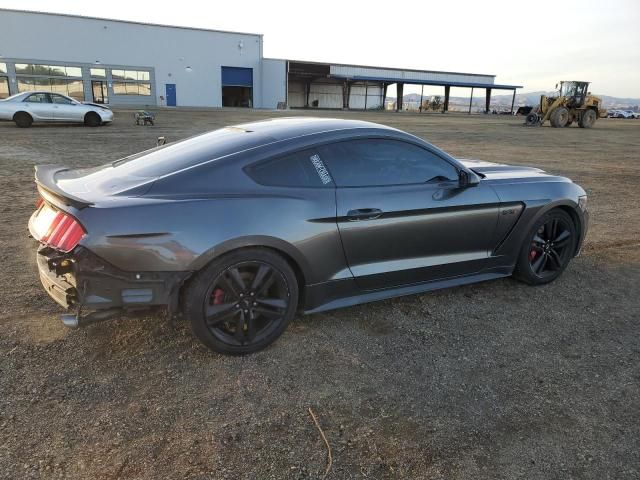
(495, 380)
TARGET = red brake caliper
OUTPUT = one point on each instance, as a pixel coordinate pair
(532, 254)
(218, 296)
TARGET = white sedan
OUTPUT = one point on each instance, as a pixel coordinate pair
(28, 107)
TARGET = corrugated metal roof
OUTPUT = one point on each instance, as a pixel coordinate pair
(417, 81)
(392, 68)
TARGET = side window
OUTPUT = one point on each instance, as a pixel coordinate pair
(299, 169)
(376, 162)
(60, 100)
(38, 98)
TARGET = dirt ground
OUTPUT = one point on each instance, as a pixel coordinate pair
(496, 380)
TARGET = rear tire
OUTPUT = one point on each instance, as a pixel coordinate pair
(588, 119)
(548, 249)
(560, 117)
(242, 302)
(23, 119)
(92, 119)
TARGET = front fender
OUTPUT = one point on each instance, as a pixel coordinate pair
(534, 210)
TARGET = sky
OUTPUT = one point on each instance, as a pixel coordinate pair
(534, 44)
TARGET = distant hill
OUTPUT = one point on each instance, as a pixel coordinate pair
(533, 98)
(501, 101)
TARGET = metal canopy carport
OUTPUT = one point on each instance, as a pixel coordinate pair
(446, 84)
(338, 85)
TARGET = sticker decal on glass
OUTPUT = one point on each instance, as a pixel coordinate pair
(323, 173)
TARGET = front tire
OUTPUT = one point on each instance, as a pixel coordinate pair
(23, 119)
(92, 119)
(243, 301)
(548, 249)
(532, 119)
(559, 117)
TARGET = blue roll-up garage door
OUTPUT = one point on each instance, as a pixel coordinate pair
(237, 77)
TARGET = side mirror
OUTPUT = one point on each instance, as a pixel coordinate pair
(468, 179)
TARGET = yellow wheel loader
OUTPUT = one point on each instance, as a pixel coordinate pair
(574, 103)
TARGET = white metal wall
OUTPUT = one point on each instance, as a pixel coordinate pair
(329, 95)
(352, 71)
(373, 96)
(168, 50)
(274, 82)
(295, 97)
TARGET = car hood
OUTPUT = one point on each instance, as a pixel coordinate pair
(501, 171)
(98, 105)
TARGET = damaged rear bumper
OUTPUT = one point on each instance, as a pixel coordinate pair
(82, 279)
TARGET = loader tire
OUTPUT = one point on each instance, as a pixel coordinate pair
(560, 117)
(532, 120)
(587, 119)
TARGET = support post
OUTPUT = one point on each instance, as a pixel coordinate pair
(400, 90)
(447, 90)
(366, 93)
(384, 94)
(487, 102)
(421, 95)
(345, 95)
(470, 100)
(307, 89)
(513, 100)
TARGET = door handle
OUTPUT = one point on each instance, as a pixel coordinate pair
(363, 214)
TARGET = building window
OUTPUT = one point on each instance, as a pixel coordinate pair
(72, 88)
(4, 87)
(98, 73)
(4, 81)
(131, 88)
(63, 79)
(131, 82)
(47, 70)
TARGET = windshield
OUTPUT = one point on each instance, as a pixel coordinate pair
(572, 89)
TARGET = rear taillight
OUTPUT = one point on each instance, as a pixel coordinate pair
(61, 231)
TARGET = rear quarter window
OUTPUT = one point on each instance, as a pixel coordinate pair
(299, 169)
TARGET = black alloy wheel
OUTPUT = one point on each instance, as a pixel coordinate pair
(548, 250)
(246, 301)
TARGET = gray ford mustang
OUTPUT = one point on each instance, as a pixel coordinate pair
(240, 228)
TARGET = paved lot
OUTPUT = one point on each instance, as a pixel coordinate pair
(495, 380)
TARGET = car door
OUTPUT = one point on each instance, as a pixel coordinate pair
(403, 217)
(65, 109)
(38, 105)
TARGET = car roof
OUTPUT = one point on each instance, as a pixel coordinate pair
(31, 92)
(291, 127)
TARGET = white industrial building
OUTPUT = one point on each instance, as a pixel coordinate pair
(134, 64)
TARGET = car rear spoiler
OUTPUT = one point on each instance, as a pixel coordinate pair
(49, 189)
